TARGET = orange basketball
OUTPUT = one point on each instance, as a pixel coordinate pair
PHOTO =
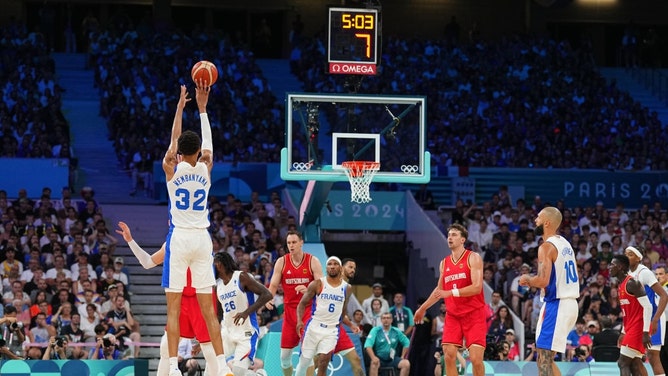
(205, 71)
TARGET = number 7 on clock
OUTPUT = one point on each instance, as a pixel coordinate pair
(367, 38)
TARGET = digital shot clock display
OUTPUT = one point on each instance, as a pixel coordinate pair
(352, 46)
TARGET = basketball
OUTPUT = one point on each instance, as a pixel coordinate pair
(205, 71)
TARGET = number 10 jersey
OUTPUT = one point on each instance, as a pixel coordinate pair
(563, 282)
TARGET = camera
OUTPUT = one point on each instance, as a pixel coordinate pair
(579, 352)
(16, 325)
(60, 341)
(106, 342)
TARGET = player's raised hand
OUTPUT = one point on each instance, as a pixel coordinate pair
(202, 95)
(183, 98)
(124, 231)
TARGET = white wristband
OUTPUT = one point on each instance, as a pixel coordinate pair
(455, 292)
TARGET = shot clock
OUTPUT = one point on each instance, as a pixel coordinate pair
(353, 41)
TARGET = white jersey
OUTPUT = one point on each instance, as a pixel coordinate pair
(188, 196)
(234, 300)
(563, 282)
(328, 307)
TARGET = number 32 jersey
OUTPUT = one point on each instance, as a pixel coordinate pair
(234, 300)
(563, 282)
(188, 196)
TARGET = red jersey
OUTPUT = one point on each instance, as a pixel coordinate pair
(633, 317)
(456, 275)
(293, 276)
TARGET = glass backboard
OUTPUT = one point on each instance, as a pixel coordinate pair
(325, 130)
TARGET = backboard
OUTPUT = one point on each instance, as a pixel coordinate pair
(325, 130)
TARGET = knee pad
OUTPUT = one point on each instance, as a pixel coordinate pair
(286, 358)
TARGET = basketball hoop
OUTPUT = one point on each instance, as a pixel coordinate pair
(360, 174)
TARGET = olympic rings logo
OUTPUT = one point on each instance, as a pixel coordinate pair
(302, 166)
(409, 169)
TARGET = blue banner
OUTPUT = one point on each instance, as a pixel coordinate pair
(386, 211)
(33, 174)
(576, 187)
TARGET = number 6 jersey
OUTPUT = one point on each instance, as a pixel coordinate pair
(233, 300)
(563, 282)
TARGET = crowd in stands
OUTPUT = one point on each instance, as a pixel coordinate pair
(32, 124)
(520, 101)
(138, 73)
(64, 293)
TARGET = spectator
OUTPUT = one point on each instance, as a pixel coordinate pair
(514, 352)
(106, 348)
(501, 323)
(89, 322)
(122, 321)
(13, 334)
(382, 344)
(75, 334)
(42, 331)
(377, 293)
(583, 354)
(402, 316)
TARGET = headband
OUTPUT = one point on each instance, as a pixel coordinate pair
(635, 251)
(333, 258)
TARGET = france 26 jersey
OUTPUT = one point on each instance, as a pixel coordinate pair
(563, 282)
(328, 303)
(188, 196)
(234, 300)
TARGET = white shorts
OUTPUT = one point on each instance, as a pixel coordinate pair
(319, 339)
(555, 321)
(188, 248)
(629, 352)
(239, 343)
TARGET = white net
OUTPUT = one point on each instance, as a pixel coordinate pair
(360, 174)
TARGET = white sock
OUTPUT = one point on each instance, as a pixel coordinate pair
(210, 358)
(222, 364)
(173, 363)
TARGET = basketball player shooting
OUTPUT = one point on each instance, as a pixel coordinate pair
(188, 243)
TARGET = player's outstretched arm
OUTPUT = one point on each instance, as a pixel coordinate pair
(275, 280)
(146, 260)
(202, 98)
(311, 290)
(435, 296)
(248, 283)
(170, 161)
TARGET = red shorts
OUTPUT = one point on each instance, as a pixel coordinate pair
(633, 339)
(472, 328)
(191, 321)
(344, 342)
(289, 337)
